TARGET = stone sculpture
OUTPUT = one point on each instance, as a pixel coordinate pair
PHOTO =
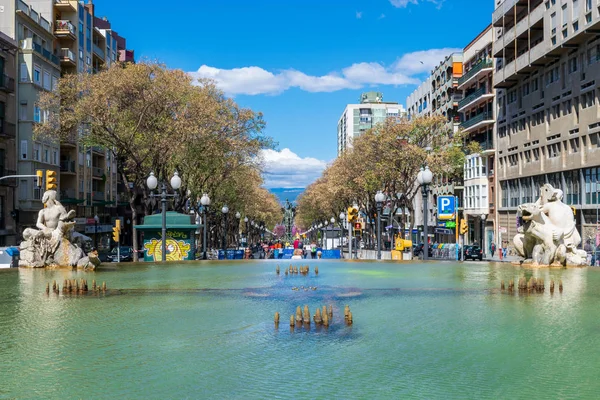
(53, 243)
(547, 234)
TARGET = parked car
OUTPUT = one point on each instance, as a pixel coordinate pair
(126, 255)
(472, 253)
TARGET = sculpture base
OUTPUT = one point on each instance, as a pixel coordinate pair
(535, 265)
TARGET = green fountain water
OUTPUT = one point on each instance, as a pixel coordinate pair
(205, 330)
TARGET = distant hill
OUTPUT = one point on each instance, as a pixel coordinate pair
(290, 194)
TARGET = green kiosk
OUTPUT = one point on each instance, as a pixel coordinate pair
(180, 237)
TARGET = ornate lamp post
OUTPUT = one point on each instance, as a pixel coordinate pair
(152, 184)
(379, 199)
(96, 220)
(424, 178)
(247, 239)
(205, 201)
(237, 229)
(341, 235)
(483, 218)
(225, 210)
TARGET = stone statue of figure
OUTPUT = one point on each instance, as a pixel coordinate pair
(548, 234)
(51, 243)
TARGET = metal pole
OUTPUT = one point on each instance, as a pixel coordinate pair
(378, 230)
(96, 235)
(482, 237)
(163, 199)
(349, 238)
(225, 234)
(204, 233)
(425, 227)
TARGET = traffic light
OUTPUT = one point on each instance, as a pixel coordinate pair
(352, 214)
(51, 182)
(117, 230)
(357, 228)
(463, 227)
(40, 178)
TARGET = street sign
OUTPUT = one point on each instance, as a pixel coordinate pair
(446, 207)
(503, 229)
(450, 224)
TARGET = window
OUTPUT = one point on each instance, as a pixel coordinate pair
(23, 112)
(534, 85)
(567, 109)
(588, 99)
(36, 114)
(553, 150)
(24, 73)
(565, 15)
(24, 150)
(46, 159)
(553, 22)
(36, 152)
(54, 82)
(37, 74)
(588, 5)
(575, 10)
(592, 187)
(47, 81)
(526, 89)
(556, 111)
(574, 145)
(573, 65)
(536, 154)
(23, 190)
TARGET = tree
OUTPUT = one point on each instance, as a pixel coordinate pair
(156, 119)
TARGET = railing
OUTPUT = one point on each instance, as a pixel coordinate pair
(476, 94)
(98, 172)
(64, 25)
(473, 71)
(99, 52)
(98, 149)
(8, 129)
(37, 47)
(67, 54)
(98, 196)
(67, 166)
(10, 181)
(22, 6)
(487, 115)
(7, 83)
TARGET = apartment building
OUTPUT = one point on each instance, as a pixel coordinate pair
(548, 118)
(358, 118)
(444, 89)
(8, 119)
(478, 123)
(418, 103)
(58, 37)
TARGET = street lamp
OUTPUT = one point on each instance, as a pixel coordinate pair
(424, 178)
(483, 217)
(152, 184)
(379, 199)
(96, 220)
(205, 201)
(237, 228)
(247, 239)
(341, 235)
(225, 210)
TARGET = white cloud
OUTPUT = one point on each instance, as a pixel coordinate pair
(358, 14)
(255, 80)
(404, 3)
(288, 170)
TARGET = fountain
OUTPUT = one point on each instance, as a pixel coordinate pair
(54, 243)
(547, 235)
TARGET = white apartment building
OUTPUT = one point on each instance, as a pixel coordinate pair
(358, 118)
(418, 103)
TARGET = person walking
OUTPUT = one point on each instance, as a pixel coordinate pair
(313, 250)
(504, 249)
(493, 249)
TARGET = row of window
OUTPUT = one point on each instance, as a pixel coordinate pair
(476, 196)
(580, 187)
(475, 167)
(41, 153)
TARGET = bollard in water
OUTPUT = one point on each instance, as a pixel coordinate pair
(104, 286)
(330, 312)
(325, 318)
(54, 285)
(317, 317)
(298, 315)
(346, 311)
(560, 286)
(47, 288)
(349, 319)
(551, 285)
(277, 270)
(316, 270)
(292, 320)
(306, 315)
(276, 318)
(502, 285)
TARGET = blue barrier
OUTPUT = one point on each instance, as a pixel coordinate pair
(221, 255)
(331, 254)
(239, 254)
(230, 254)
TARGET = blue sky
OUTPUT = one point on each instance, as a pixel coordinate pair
(300, 61)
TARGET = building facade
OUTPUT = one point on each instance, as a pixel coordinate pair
(8, 135)
(58, 37)
(358, 118)
(419, 102)
(478, 125)
(444, 89)
(547, 74)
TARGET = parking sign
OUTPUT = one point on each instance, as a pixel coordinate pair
(446, 207)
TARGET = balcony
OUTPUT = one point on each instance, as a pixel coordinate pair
(67, 194)
(481, 67)
(97, 172)
(12, 182)
(29, 44)
(7, 130)
(475, 98)
(482, 119)
(98, 196)
(67, 57)
(98, 51)
(67, 166)
(64, 5)
(65, 29)
(7, 84)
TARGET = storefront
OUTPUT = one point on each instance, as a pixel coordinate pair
(180, 237)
